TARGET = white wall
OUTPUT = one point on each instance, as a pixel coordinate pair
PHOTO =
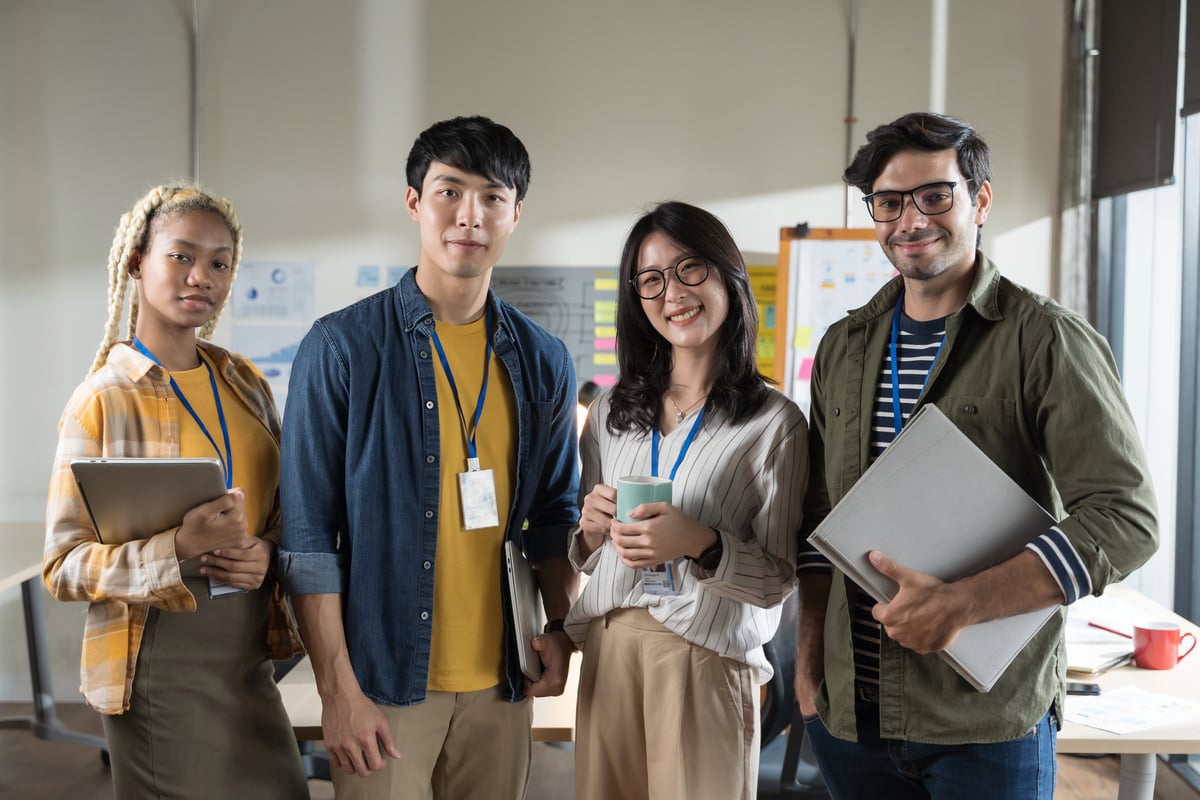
(308, 109)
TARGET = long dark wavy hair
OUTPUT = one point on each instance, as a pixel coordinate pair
(644, 357)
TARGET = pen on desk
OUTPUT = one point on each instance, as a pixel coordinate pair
(1110, 630)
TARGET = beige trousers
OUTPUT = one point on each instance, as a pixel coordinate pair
(661, 718)
(454, 746)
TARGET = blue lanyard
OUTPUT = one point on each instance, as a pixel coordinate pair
(683, 452)
(212, 379)
(897, 415)
(473, 464)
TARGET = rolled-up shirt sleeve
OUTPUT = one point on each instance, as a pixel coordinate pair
(311, 559)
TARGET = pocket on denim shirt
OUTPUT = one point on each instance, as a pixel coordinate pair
(541, 411)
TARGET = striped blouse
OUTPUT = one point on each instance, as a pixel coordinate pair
(747, 482)
(125, 409)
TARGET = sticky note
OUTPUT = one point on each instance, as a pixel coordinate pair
(806, 369)
(605, 359)
(803, 338)
(606, 284)
(605, 312)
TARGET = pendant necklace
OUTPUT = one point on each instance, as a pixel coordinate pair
(680, 413)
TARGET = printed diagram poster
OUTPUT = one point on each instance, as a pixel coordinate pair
(272, 311)
(274, 290)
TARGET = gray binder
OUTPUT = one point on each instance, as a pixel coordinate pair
(934, 502)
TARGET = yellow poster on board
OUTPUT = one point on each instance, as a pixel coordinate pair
(763, 282)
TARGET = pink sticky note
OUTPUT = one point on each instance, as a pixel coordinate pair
(806, 369)
(604, 380)
(604, 344)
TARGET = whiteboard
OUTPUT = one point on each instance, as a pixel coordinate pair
(830, 272)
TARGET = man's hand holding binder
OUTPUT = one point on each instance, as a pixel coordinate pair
(927, 614)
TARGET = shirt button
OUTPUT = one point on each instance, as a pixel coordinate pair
(427, 565)
(429, 459)
(837, 412)
(429, 404)
(424, 615)
(424, 354)
(969, 408)
(428, 515)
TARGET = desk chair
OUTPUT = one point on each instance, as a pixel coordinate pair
(787, 769)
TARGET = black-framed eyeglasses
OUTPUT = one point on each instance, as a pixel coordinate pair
(931, 199)
(650, 283)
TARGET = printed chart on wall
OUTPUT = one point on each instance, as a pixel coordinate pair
(576, 304)
(827, 272)
(272, 309)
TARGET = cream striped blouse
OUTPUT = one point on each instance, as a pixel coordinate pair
(747, 482)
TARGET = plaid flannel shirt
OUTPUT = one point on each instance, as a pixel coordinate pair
(127, 409)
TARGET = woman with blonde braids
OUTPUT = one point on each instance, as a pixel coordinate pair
(189, 706)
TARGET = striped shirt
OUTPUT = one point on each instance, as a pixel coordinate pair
(747, 482)
(916, 351)
(127, 409)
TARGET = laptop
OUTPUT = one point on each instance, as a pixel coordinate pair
(523, 596)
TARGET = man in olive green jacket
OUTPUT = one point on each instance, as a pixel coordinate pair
(1035, 388)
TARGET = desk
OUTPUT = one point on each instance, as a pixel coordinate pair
(1138, 750)
(553, 717)
(21, 563)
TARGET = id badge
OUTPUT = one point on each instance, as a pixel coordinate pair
(217, 589)
(477, 495)
(661, 579)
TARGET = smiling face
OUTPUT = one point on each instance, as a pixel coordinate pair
(184, 275)
(937, 248)
(688, 317)
(465, 221)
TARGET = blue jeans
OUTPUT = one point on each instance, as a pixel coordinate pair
(1022, 769)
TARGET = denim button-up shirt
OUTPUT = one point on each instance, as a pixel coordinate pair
(361, 472)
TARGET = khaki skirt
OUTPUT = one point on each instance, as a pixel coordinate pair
(205, 719)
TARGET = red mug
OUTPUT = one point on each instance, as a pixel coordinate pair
(1156, 645)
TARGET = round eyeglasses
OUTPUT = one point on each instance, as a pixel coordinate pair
(650, 283)
(931, 199)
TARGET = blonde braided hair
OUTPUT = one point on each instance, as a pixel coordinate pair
(133, 236)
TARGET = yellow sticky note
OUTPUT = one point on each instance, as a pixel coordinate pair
(605, 332)
(604, 359)
(605, 312)
(606, 284)
(803, 338)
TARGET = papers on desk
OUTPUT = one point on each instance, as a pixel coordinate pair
(1128, 709)
(1094, 641)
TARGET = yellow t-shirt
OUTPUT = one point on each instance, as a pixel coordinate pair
(255, 452)
(467, 648)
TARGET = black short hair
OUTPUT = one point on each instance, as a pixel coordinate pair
(923, 131)
(472, 144)
(644, 357)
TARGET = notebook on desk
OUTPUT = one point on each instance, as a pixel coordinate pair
(1093, 659)
(935, 502)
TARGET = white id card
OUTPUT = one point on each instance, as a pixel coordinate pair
(477, 495)
(663, 579)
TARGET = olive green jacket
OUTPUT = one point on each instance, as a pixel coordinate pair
(1036, 388)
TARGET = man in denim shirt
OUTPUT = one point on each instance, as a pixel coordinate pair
(425, 426)
(1037, 390)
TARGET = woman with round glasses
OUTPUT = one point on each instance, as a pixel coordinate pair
(673, 658)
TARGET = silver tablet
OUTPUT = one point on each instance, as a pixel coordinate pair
(523, 593)
(135, 498)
